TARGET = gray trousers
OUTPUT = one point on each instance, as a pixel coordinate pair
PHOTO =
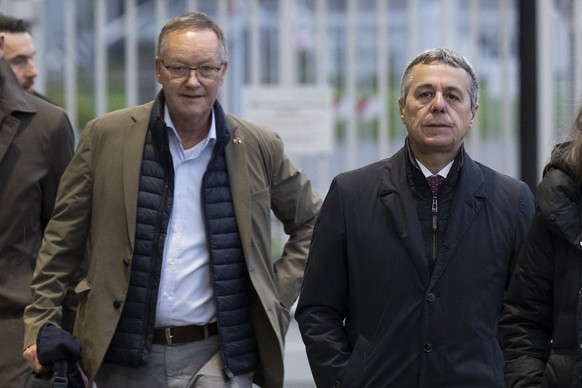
(193, 365)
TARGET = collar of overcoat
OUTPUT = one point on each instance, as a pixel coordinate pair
(469, 198)
(15, 109)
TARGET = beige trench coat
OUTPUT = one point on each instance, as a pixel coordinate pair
(97, 202)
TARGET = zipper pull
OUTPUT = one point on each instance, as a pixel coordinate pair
(434, 211)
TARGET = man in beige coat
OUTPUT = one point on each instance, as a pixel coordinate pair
(175, 197)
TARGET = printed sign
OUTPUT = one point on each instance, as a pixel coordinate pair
(300, 114)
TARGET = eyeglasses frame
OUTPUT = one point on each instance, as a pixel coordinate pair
(171, 69)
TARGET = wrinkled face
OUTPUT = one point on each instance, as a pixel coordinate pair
(190, 98)
(19, 51)
(437, 111)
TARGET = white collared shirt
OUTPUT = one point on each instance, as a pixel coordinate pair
(444, 172)
(185, 294)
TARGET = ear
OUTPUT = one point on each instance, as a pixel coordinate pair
(158, 66)
(474, 112)
(401, 108)
(223, 72)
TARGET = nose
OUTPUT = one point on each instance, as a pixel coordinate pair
(192, 78)
(31, 69)
(438, 103)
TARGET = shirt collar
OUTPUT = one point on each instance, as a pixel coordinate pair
(443, 172)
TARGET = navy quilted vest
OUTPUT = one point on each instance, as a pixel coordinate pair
(133, 337)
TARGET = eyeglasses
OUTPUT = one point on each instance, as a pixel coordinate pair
(206, 73)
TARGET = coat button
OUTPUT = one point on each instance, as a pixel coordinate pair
(428, 347)
(430, 297)
(126, 262)
(117, 304)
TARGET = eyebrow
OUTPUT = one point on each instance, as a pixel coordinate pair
(20, 57)
(429, 86)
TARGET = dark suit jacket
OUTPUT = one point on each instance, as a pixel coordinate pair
(36, 144)
(405, 326)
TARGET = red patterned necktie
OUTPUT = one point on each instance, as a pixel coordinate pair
(435, 182)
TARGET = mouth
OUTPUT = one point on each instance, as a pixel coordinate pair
(438, 126)
(191, 96)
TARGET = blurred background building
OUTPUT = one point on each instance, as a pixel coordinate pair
(326, 73)
(339, 60)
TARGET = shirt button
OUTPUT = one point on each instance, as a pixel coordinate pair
(428, 347)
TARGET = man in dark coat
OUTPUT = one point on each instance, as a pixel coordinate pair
(36, 144)
(404, 286)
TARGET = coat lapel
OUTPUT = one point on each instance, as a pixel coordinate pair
(469, 199)
(15, 109)
(235, 152)
(134, 140)
(396, 196)
(9, 128)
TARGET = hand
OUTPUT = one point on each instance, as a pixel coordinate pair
(31, 358)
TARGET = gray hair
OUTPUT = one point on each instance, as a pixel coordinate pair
(447, 57)
(192, 21)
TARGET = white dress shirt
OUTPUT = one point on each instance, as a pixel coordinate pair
(444, 172)
(186, 295)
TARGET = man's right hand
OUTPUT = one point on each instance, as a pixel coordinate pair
(31, 358)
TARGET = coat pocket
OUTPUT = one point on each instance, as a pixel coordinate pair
(356, 366)
(82, 290)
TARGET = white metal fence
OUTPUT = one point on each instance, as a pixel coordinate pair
(97, 55)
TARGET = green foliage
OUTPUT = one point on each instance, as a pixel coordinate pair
(85, 101)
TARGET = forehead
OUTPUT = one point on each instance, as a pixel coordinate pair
(18, 44)
(439, 75)
(191, 42)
